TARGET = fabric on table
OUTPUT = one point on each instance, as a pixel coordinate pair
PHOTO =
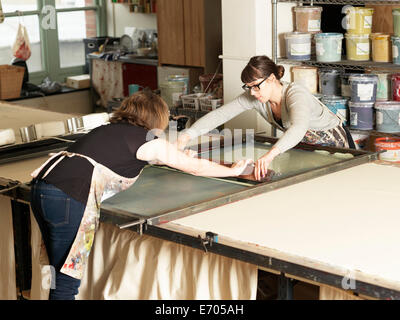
(107, 80)
(125, 265)
(8, 287)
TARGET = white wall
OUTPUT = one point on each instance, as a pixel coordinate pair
(119, 17)
(247, 31)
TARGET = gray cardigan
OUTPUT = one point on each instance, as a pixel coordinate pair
(300, 111)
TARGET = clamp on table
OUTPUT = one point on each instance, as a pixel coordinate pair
(208, 240)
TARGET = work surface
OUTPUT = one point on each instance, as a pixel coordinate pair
(345, 223)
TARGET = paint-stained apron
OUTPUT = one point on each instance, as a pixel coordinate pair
(104, 184)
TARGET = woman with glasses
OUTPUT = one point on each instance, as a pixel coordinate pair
(290, 107)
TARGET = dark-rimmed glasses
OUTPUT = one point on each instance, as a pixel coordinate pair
(256, 86)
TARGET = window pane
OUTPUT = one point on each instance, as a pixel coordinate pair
(73, 27)
(21, 5)
(73, 3)
(9, 29)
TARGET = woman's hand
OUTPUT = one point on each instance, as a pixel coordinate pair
(262, 164)
(240, 166)
(182, 141)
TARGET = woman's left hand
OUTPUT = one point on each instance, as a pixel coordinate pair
(262, 164)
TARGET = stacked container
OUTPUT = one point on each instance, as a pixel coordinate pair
(359, 27)
(396, 36)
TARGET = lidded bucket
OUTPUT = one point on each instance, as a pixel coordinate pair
(306, 76)
(359, 20)
(396, 22)
(387, 116)
(396, 49)
(298, 45)
(178, 77)
(171, 92)
(391, 146)
(361, 115)
(357, 46)
(308, 18)
(395, 86)
(329, 82)
(363, 87)
(328, 46)
(381, 49)
(338, 105)
(345, 84)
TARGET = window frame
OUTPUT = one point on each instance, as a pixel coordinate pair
(50, 43)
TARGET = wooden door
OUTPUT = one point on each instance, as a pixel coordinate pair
(194, 32)
(171, 39)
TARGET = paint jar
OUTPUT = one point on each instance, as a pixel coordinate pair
(387, 116)
(381, 49)
(396, 50)
(328, 46)
(298, 45)
(391, 146)
(178, 77)
(361, 115)
(338, 105)
(171, 92)
(308, 18)
(357, 47)
(329, 82)
(359, 20)
(363, 87)
(306, 76)
(395, 86)
(396, 22)
(383, 89)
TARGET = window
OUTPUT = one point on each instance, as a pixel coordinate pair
(56, 29)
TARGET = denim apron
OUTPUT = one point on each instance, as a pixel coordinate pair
(104, 184)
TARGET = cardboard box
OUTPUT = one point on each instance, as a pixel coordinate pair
(79, 82)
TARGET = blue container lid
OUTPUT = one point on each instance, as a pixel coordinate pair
(329, 35)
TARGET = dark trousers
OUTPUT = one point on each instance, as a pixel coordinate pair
(58, 216)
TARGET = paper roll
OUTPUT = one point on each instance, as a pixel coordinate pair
(49, 129)
(93, 120)
(7, 136)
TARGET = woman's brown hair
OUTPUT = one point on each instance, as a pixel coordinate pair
(145, 109)
(261, 67)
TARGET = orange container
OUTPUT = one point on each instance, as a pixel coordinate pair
(391, 146)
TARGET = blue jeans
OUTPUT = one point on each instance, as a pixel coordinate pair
(58, 216)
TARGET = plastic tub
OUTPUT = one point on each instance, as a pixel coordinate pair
(391, 146)
(396, 50)
(357, 46)
(387, 116)
(328, 46)
(308, 18)
(395, 86)
(329, 82)
(298, 45)
(306, 76)
(363, 87)
(381, 50)
(177, 77)
(171, 92)
(338, 105)
(383, 89)
(361, 115)
(396, 21)
(359, 20)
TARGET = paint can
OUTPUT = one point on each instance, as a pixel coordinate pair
(298, 45)
(329, 82)
(361, 115)
(391, 146)
(395, 81)
(178, 77)
(383, 89)
(171, 92)
(357, 47)
(363, 87)
(308, 19)
(381, 50)
(387, 116)
(359, 20)
(396, 21)
(306, 76)
(345, 88)
(338, 105)
(328, 46)
(395, 49)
